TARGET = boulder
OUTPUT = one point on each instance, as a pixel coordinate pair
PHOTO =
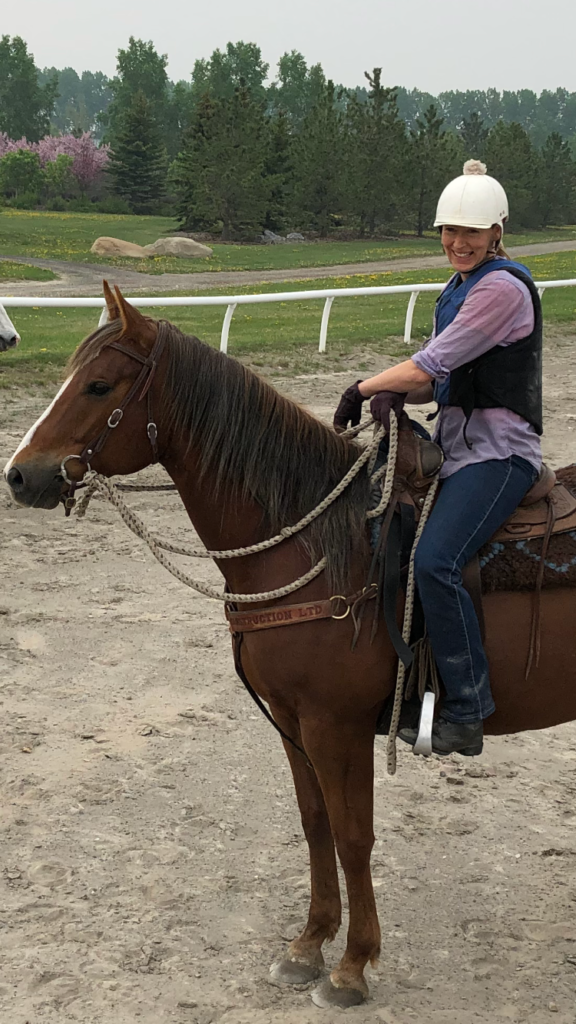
(295, 236)
(271, 238)
(178, 247)
(105, 246)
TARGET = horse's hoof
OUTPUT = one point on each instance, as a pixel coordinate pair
(292, 972)
(327, 996)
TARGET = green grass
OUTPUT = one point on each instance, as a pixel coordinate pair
(275, 336)
(68, 236)
(23, 272)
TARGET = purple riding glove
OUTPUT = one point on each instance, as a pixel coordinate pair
(349, 408)
(386, 402)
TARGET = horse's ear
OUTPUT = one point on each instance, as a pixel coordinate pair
(111, 304)
(133, 323)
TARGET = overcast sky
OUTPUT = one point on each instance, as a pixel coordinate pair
(428, 44)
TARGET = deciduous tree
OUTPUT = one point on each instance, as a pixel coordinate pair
(25, 105)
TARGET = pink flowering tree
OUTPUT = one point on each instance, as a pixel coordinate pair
(88, 159)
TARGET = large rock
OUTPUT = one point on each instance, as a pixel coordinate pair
(105, 246)
(178, 247)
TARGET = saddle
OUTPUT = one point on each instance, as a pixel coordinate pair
(548, 507)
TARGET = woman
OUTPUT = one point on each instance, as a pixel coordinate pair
(483, 365)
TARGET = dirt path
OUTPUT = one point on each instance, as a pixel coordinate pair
(86, 278)
(152, 861)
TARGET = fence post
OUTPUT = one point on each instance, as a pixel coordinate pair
(324, 323)
(226, 326)
(103, 317)
(541, 292)
(410, 316)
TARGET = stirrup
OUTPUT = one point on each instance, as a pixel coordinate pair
(423, 743)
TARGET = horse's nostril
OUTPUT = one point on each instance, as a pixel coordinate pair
(14, 478)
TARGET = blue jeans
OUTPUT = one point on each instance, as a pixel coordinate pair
(473, 503)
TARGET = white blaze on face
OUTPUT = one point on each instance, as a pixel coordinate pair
(28, 437)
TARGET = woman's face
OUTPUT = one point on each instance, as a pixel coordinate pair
(467, 247)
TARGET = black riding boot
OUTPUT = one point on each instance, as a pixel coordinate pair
(451, 737)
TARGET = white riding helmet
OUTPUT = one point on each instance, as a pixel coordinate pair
(473, 200)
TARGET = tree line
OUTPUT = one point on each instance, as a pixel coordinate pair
(231, 154)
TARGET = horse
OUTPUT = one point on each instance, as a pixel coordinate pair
(246, 462)
(9, 336)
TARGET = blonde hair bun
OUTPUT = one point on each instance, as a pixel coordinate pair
(474, 167)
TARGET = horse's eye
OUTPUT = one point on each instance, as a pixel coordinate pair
(98, 388)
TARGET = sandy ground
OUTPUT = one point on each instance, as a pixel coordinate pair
(152, 862)
(86, 278)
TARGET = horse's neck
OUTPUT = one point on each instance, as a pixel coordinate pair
(229, 521)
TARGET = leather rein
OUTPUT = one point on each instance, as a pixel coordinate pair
(143, 384)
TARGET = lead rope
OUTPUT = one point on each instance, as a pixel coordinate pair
(406, 631)
(157, 546)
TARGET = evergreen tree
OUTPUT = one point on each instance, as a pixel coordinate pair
(220, 174)
(510, 157)
(279, 172)
(25, 105)
(137, 164)
(556, 188)
(473, 134)
(318, 165)
(375, 148)
(435, 157)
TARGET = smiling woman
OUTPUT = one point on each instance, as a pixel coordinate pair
(483, 366)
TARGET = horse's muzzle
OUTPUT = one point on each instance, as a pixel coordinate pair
(8, 339)
(34, 485)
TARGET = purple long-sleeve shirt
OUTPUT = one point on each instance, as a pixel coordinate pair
(497, 311)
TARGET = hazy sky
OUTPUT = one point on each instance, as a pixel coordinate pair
(428, 44)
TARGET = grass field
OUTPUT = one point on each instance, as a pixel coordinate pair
(68, 236)
(283, 335)
(22, 272)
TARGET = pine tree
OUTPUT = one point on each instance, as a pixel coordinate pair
(435, 159)
(556, 182)
(511, 158)
(375, 148)
(137, 163)
(318, 165)
(279, 172)
(220, 174)
(473, 134)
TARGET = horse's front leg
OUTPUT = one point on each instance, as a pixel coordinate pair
(304, 961)
(342, 753)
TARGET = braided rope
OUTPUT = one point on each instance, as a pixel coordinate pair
(406, 630)
(389, 469)
(157, 547)
(370, 451)
(135, 524)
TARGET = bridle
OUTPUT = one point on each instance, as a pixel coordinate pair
(143, 384)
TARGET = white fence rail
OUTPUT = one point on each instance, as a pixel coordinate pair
(232, 301)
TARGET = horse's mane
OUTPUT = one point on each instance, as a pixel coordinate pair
(261, 444)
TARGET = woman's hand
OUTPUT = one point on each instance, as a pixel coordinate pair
(386, 402)
(349, 409)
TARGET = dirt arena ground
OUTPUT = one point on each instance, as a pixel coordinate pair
(152, 861)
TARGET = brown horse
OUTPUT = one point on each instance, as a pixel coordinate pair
(246, 462)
